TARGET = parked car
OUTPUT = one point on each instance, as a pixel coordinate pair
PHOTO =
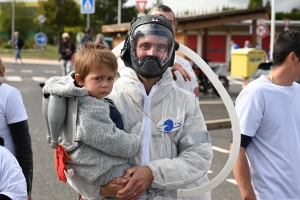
(263, 69)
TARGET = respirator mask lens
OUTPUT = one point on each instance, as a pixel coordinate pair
(152, 40)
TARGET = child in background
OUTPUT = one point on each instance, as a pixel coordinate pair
(102, 149)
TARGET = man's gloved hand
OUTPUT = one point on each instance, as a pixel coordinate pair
(60, 156)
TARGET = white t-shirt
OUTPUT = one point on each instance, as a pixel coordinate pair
(12, 110)
(187, 85)
(271, 115)
(12, 180)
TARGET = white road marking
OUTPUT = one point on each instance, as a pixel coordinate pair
(210, 172)
(9, 70)
(220, 149)
(233, 181)
(210, 102)
(50, 72)
(14, 78)
(26, 71)
(235, 78)
(235, 82)
(39, 79)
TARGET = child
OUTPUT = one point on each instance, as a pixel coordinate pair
(101, 150)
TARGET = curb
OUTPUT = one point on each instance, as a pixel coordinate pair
(218, 124)
(31, 61)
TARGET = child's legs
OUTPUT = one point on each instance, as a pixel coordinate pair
(86, 190)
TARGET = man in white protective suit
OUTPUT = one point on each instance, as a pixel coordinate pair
(176, 148)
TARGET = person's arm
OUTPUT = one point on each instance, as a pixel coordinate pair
(22, 141)
(241, 173)
(4, 197)
(61, 49)
(16, 118)
(100, 132)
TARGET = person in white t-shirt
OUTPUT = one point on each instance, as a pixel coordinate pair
(14, 128)
(268, 109)
(192, 85)
(12, 180)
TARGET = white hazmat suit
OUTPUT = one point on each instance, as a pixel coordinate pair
(178, 159)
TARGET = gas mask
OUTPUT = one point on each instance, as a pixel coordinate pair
(149, 47)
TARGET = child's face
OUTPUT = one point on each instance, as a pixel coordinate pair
(99, 82)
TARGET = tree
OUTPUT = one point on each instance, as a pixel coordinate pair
(268, 5)
(106, 12)
(293, 15)
(255, 3)
(24, 22)
(60, 14)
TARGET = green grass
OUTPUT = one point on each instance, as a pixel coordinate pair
(50, 52)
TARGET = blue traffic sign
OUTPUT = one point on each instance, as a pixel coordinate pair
(40, 39)
(87, 6)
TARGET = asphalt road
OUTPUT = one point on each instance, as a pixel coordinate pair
(45, 184)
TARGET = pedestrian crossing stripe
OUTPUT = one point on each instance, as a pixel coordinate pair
(19, 79)
(39, 79)
(13, 78)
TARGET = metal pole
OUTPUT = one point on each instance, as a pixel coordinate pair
(119, 11)
(88, 21)
(12, 20)
(272, 36)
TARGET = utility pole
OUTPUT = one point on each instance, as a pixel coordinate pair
(272, 36)
(12, 20)
(119, 11)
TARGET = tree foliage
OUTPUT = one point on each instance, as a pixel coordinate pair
(24, 22)
(255, 4)
(106, 12)
(60, 14)
(293, 15)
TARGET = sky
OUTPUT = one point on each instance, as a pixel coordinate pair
(198, 5)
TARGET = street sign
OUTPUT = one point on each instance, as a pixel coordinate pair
(262, 31)
(141, 5)
(87, 6)
(41, 18)
(40, 39)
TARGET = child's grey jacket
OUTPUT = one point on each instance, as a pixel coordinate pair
(101, 150)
